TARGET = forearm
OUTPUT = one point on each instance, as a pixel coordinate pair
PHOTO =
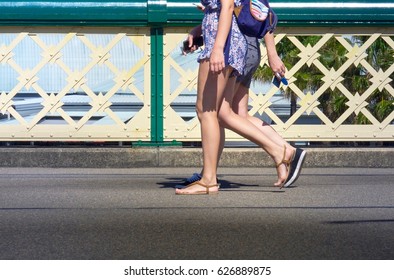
(270, 45)
(225, 21)
(196, 31)
(274, 60)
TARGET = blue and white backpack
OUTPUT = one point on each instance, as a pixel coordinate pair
(255, 18)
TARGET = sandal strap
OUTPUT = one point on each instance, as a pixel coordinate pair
(287, 162)
(211, 186)
(207, 187)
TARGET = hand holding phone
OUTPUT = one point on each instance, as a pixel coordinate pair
(197, 42)
(279, 79)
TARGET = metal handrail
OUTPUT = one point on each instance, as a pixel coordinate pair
(183, 12)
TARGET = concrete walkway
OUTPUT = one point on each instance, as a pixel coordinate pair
(82, 213)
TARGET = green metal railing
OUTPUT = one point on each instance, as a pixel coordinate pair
(183, 12)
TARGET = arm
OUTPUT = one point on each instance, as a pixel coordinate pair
(194, 33)
(216, 60)
(274, 60)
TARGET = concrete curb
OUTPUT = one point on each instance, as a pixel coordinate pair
(121, 157)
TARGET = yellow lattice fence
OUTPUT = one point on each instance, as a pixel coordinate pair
(94, 84)
(72, 83)
(309, 122)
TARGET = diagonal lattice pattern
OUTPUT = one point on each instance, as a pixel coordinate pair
(329, 107)
(68, 84)
(90, 84)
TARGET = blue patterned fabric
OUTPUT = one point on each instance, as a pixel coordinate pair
(236, 47)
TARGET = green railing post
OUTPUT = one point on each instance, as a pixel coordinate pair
(157, 85)
(157, 113)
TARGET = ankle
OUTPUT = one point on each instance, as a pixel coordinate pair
(208, 180)
(290, 148)
(277, 157)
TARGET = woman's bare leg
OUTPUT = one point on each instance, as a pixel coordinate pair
(258, 134)
(240, 107)
(210, 92)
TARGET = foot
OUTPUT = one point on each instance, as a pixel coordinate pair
(295, 167)
(283, 166)
(194, 178)
(198, 188)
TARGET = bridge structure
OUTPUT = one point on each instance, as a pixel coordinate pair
(113, 71)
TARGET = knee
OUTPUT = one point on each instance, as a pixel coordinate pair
(242, 113)
(206, 115)
(224, 117)
(199, 111)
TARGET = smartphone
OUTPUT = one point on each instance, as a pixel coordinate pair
(198, 41)
(276, 81)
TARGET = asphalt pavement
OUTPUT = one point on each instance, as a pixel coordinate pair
(133, 213)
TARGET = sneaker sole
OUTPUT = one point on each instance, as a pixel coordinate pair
(297, 170)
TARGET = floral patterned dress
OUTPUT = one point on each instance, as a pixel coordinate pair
(235, 48)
